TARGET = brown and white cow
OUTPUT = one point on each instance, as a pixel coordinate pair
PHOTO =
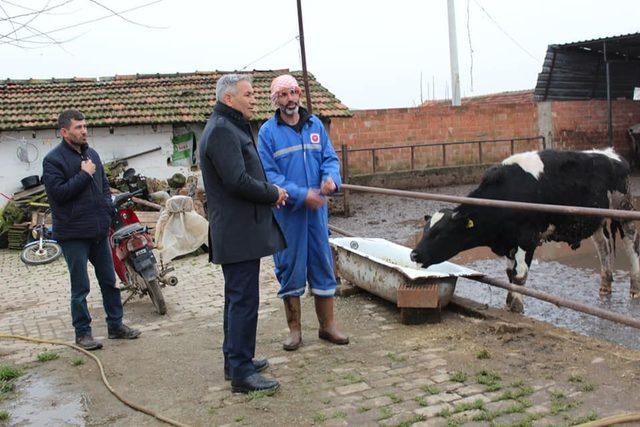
(595, 178)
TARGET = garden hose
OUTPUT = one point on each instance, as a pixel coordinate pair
(102, 374)
(616, 419)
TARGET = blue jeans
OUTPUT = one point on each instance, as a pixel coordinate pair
(241, 301)
(98, 252)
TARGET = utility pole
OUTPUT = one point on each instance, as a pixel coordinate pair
(453, 55)
(305, 77)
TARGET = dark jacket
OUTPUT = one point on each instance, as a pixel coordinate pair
(239, 198)
(81, 204)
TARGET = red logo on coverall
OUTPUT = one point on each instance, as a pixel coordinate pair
(315, 138)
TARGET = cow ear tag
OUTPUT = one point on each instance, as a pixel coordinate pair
(470, 223)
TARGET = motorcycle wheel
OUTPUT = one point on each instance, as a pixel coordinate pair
(34, 256)
(156, 296)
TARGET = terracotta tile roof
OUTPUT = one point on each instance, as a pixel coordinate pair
(138, 99)
(512, 97)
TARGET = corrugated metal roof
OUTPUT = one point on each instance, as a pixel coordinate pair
(139, 99)
(577, 70)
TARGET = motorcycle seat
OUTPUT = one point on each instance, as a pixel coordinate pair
(127, 231)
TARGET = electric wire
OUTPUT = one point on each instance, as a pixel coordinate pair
(505, 32)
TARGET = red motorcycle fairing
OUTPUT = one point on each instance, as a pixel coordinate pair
(127, 216)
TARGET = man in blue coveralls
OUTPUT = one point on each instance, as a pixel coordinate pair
(297, 155)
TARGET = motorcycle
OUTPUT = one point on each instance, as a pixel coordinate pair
(133, 257)
(41, 249)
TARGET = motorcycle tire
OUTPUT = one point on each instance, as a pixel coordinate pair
(33, 256)
(153, 288)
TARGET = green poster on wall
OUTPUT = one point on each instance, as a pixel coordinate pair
(183, 149)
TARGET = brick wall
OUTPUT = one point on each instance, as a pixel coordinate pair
(583, 124)
(575, 125)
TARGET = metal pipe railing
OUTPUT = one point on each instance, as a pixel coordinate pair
(562, 302)
(558, 301)
(539, 207)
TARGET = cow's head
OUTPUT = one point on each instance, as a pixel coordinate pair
(446, 234)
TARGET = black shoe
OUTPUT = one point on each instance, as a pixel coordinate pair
(255, 382)
(124, 333)
(258, 364)
(88, 343)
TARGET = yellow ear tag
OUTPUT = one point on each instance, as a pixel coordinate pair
(470, 223)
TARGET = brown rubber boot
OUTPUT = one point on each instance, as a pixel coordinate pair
(328, 329)
(294, 313)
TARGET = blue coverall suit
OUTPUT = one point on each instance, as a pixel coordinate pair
(298, 161)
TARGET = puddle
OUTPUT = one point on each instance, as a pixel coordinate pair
(558, 270)
(41, 403)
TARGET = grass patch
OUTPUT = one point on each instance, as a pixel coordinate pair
(6, 387)
(394, 357)
(340, 415)
(47, 356)
(476, 404)
(259, 394)
(587, 387)
(319, 418)
(560, 404)
(8, 373)
(445, 413)
(515, 394)
(421, 401)
(351, 378)
(385, 413)
(483, 354)
(591, 416)
(454, 422)
(576, 379)
(239, 419)
(78, 361)
(394, 397)
(363, 409)
(490, 379)
(458, 376)
(4, 416)
(431, 389)
(412, 420)
(517, 384)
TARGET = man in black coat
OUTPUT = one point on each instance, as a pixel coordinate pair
(242, 228)
(81, 207)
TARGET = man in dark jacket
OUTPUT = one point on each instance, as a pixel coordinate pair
(242, 228)
(81, 207)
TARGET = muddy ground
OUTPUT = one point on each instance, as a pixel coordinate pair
(390, 374)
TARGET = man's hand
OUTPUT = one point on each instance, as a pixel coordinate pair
(328, 187)
(314, 200)
(282, 197)
(88, 166)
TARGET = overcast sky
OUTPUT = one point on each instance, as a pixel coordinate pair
(370, 54)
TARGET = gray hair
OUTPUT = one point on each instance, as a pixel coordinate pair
(228, 83)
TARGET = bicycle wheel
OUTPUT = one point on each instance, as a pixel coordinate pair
(156, 296)
(33, 255)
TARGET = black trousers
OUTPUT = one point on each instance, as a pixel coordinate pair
(241, 301)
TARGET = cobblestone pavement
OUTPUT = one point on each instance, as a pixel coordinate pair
(462, 371)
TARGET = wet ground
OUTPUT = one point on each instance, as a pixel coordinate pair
(556, 269)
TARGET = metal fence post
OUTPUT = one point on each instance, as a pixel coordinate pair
(345, 179)
(479, 152)
(373, 159)
(512, 147)
(444, 154)
(412, 158)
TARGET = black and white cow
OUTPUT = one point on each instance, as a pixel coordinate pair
(597, 179)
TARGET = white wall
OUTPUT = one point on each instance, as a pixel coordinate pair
(124, 141)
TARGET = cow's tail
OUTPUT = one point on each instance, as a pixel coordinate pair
(615, 227)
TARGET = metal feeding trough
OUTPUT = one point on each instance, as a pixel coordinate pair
(386, 270)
